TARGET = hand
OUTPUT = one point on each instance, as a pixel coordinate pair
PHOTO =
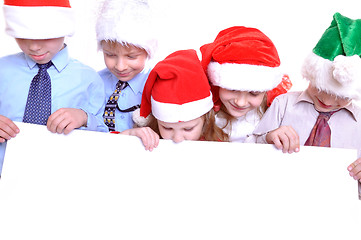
(149, 138)
(8, 129)
(284, 138)
(65, 120)
(355, 169)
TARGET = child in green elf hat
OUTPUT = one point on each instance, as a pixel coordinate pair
(325, 114)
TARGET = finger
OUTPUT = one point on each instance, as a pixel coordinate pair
(354, 164)
(277, 143)
(8, 128)
(294, 142)
(285, 142)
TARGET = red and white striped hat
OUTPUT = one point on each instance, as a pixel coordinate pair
(38, 19)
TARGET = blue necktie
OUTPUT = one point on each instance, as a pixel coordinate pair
(38, 105)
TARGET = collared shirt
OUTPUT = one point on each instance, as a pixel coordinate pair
(129, 97)
(240, 129)
(296, 109)
(73, 84)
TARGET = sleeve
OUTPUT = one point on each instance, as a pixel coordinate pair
(96, 105)
(271, 120)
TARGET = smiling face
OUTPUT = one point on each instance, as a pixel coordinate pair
(41, 50)
(125, 62)
(180, 131)
(238, 103)
(325, 102)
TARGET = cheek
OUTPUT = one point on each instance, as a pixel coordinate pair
(257, 101)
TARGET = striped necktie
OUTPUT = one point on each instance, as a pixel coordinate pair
(109, 113)
(321, 133)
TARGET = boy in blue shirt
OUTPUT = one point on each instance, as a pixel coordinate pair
(75, 92)
(124, 34)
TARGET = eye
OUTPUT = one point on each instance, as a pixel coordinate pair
(167, 128)
(189, 129)
(255, 93)
(109, 54)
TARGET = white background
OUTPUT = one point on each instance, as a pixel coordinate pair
(293, 26)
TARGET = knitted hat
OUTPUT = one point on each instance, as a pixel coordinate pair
(334, 66)
(243, 59)
(38, 19)
(177, 89)
(128, 22)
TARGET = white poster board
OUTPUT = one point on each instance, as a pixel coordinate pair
(66, 187)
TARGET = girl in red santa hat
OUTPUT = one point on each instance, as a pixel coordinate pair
(242, 65)
(177, 100)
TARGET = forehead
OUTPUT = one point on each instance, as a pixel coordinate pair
(117, 47)
(190, 123)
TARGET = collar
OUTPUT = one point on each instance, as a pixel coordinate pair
(60, 60)
(136, 84)
(351, 108)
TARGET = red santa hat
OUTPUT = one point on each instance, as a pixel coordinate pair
(243, 59)
(38, 19)
(177, 89)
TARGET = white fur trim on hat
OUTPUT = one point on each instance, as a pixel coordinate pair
(244, 77)
(341, 77)
(55, 22)
(128, 22)
(171, 113)
(139, 120)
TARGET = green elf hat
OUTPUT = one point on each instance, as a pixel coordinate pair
(334, 66)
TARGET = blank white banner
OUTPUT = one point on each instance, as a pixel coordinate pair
(90, 185)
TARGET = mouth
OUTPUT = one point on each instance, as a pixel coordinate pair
(237, 108)
(38, 57)
(324, 105)
(122, 75)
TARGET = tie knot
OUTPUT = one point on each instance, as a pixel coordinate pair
(121, 85)
(44, 66)
(326, 115)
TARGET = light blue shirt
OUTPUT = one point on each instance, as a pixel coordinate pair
(129, 97)
(73, 84)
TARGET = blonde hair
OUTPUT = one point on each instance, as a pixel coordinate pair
(210, 131)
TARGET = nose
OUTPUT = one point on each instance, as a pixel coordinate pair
(241, 99)
(121, 65)
(34, 45)
(177, 137)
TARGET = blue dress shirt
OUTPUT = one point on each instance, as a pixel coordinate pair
(74, 85)
(129, 97)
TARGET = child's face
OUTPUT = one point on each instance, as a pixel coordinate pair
(180, 131)
(325, 102)
(41, 50)
(125, 62)
(238, 103)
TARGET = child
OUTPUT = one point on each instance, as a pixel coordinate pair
(177, 100)
(328, 105)
(242, 64)
(125, 36)
(42, 85)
